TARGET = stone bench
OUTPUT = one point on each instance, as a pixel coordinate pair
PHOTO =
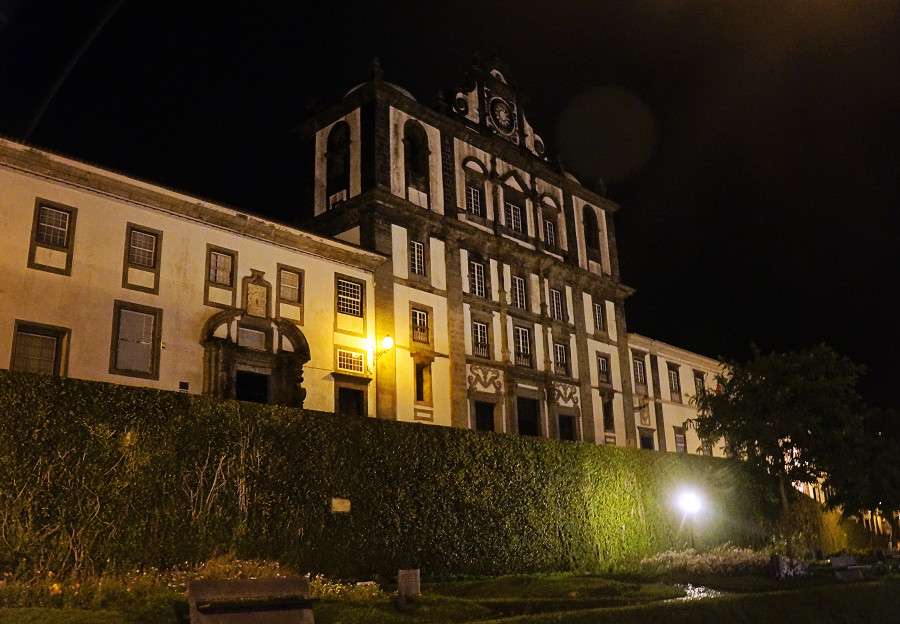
(251, 601)
(846, 568)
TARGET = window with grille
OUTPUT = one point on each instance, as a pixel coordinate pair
(420, 325)
(476, 279)
(599, 317)
(220, 268)
(142, 249)
(350, 361)
(417, 257)
(349, 297)
(514, 217)
(289, 286)
(473, 201)
(518, 293)
(480, 345)
(556, 304)
(523, 346)
(640, 377)
(549, 233)
(603, 369)
(53, 227)
(37, 350)
(562, 358)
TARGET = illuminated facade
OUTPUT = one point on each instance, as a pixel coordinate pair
(494, 272)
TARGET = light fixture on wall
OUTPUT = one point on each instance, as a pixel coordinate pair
(387, 343)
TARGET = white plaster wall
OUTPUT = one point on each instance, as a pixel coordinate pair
(400, 251)
(83, 302)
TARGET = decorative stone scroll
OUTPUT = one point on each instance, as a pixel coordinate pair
(485, 377)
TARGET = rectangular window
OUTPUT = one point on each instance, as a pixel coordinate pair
(480, 345)
(646, 438)
(680, 440)
(699, 381)
(53, 227)
(221, 268)
(420, 326)
(349, 297)
(136, 341)
(417, 258)
(528, 415)
(556, 304)
(514, 217)
(423, 382)
(599, 317)
(609, 416)
(289, 286)
(639, 377)
(603, 369)
(476, 279)
(142, 249)
(518, 293)
(350, 361)
(52, 237)
(674, 383)
(473, 201)
(567, 427)
(523, 346)
(484, 416)
(39, 349)
(549, 233)
(562, 358)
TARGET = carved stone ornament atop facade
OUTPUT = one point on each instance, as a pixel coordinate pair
(491, 102)
(485, 377)
(565, 394)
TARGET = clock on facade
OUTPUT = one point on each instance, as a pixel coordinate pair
(502, 114)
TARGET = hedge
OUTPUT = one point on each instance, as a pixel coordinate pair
(99, 476)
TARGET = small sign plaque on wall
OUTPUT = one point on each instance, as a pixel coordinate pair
(340, 505)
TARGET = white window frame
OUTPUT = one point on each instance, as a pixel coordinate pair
(349, 297)
(419, 320)
(351, 361)
(549, 233)
(142, 248)
(561, 353)
(481, 345)
(476, 278)
(417, 258)
(218, 273)
(599, 316)
(640, 374)
(522, 342)
(603, 369)
(286, 291)
(556, 305)
(473, 200)
(514, 217)
(519, 293)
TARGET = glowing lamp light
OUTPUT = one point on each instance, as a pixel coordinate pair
(387, 343)
(689, 502)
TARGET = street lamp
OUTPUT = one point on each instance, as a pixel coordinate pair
(690, 503)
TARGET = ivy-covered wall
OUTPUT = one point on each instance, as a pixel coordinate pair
(98, 475)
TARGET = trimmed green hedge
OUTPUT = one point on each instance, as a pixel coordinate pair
(99, 475)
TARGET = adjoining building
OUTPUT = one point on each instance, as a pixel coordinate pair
(493, 272)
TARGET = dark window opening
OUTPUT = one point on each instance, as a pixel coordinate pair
(351, 402)
(337, 185)
(484, 416)
(253, 387)
(567, 428)
(528, 412)
(647, 440)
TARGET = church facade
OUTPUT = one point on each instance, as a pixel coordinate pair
(492, 272)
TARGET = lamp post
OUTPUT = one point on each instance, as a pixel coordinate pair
(387, 343)
(690, 503)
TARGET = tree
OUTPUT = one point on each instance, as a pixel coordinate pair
(868, 477)
(785, 413)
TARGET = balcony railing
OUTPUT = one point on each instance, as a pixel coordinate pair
(482, 349)
(420, 333)
(562, 368)
(523, 359)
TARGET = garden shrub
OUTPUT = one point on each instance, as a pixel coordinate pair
(100, 476)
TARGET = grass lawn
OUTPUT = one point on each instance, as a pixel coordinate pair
(556, 599)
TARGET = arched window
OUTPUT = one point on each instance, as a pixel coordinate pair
(591, 231)
(337, 185)
(415, 156)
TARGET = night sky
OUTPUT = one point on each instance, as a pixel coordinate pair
(754, 147)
